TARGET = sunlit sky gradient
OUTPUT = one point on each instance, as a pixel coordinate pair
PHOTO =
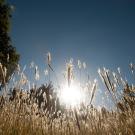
(100, 32)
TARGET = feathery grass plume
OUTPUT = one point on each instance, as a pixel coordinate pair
(18, 69)
(49, 58)
(123, 82)
(102, 75)
(3, 73)
(7, 57)
(50, 68)
(84, 65)
(69, 73)
(71, 60)
(93, 90)
(77, 119)
(23, 79)
(119, 70)
(37, 73)
(106, 80)
(132, 67)
(79, 64)
(107, 73)
(0, 65)
(46, 72)
(24, 68)
(116, 79)
(111, 84)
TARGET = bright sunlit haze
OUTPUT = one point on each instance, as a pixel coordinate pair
(67, 67)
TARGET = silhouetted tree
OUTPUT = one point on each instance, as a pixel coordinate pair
(8, 55)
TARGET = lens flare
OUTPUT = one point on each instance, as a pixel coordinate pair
(71, 96)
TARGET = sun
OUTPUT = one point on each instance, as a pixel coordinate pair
(71, 95)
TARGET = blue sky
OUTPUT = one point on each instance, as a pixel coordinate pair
(102, 33)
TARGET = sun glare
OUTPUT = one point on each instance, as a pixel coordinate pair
(71, 96)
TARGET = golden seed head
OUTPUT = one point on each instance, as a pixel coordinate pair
(49, 58)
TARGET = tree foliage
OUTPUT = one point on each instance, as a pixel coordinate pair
(8, 55)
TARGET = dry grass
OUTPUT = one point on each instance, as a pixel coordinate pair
(38, 112)
(17, 121)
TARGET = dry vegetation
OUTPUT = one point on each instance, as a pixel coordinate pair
(39, 112)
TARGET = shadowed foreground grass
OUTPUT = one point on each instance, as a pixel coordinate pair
(16, 119)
